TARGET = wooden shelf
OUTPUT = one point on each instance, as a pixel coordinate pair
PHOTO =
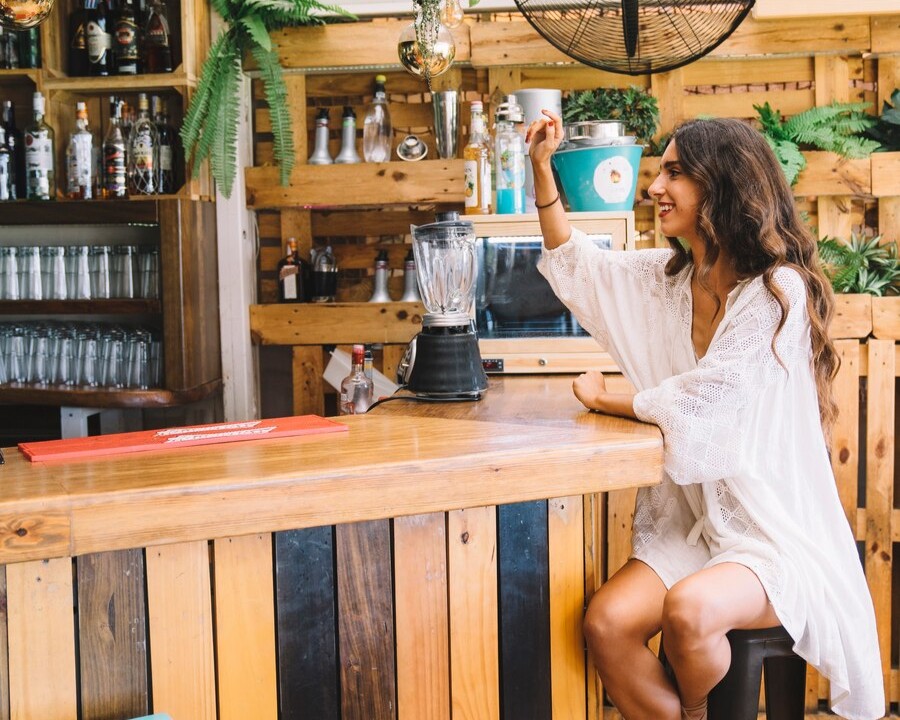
(121, 83)
(111, 306)
(21, 394)
(81, 212)
(30, 75)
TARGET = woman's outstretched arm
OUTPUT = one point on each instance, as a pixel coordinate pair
(545, 135)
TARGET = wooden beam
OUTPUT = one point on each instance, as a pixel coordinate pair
(321, 186)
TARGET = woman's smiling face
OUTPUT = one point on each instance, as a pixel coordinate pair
(677, 196)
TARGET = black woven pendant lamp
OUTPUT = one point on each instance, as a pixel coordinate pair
(635, 37)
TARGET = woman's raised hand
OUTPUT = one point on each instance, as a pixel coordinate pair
(545, 135)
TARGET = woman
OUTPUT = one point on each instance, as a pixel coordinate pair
(725, 338)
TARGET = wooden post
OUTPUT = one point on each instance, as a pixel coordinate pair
(832, 77)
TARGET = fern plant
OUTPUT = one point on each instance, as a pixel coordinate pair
(864, 265)
(211, 122)
(838, 128)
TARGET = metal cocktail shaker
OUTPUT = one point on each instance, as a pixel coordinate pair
(446, 122)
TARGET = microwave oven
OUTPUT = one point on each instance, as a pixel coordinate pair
(522, 327)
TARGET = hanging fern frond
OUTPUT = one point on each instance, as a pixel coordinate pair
(211, 121)
(276, 92)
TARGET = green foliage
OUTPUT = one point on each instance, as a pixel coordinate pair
(886, 130)
(863, 265)
(210, 124)
(838, 128)
(633, 105)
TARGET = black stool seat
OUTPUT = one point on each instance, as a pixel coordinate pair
(736, 697)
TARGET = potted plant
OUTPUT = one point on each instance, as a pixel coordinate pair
(211, 121)
(863, 265)
(634, 106)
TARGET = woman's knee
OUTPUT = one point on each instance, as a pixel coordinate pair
(689, 615)
(610, 620)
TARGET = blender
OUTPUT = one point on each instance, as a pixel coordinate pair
(443, 361)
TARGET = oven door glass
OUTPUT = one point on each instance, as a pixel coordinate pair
(512, 299)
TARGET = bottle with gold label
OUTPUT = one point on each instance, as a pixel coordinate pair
(477, 165)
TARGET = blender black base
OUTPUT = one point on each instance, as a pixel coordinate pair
(447, 364)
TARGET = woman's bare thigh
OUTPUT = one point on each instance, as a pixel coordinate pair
(634, 597)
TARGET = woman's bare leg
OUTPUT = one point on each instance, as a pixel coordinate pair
(697, 612)
(621, 618)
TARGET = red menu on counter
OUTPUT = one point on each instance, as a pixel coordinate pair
(166, 439)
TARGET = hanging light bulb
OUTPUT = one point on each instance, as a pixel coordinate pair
(24, 14)
(412, 56)
(452, 14)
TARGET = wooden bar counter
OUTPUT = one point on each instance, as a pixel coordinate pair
(349, 575)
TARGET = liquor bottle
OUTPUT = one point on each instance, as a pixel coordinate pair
(142, 155)
(305, 278)
(99, 41)
(356, 388)
(380, 289)
(14, 144)
(477, 165)
(78, 55)
(410, 279)
(7, 186)
(348, 152)
(114, 153)
(320, 154)
(157, 53)
(40, 173)
(9, 49)
(80, 167)
(368, 362)
(126, 39)
(290, 279)
(30, 48)
(377, 133)
(509, 159)
(168, 146)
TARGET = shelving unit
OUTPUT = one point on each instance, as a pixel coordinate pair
(182, 224)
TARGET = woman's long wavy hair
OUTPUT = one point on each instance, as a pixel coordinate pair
(748, 213)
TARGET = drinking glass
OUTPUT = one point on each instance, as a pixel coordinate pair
(148, 272)
(99, 270)
(29, 264)
(111, 360)
(65, 360)
(9, 274)
(78, 278)
(14, 342)
(53, 273)
(86, 353)
(138, 361)
(123, 271)
(39, 372)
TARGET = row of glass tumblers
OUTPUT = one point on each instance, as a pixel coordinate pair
(79, 272)
(80, 354)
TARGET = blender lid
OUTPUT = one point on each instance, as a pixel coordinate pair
(446, 225)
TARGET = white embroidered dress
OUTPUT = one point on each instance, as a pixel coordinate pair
(747, 475)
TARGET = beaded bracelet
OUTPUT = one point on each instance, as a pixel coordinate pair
(552, 202)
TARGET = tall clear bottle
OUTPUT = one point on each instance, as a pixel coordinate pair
(16, 150)
(114, 153)
(7, 185)
(40, 156)
(477, 164)
(80, 166)
(509, 159)
(142, 156)
(377, 131)
(356, 389)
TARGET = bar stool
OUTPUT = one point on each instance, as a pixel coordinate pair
(736, 697)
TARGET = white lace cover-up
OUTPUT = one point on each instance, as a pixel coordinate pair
(747, 475)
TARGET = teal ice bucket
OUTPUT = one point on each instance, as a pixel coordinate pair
(598, 177)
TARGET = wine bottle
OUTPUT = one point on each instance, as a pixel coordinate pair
(14, 143)
(157, 53)
(78, 54)
(98, 38)
(168, 147)
(114, 153)
(40, 157)
(80, 171)
(142, 156)
(126, 39)
(7, 186)
(289, 275)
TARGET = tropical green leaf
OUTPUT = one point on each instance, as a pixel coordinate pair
(196, 117)
(227, 76)
(279, 112)
(223, 151)
(257, 31)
